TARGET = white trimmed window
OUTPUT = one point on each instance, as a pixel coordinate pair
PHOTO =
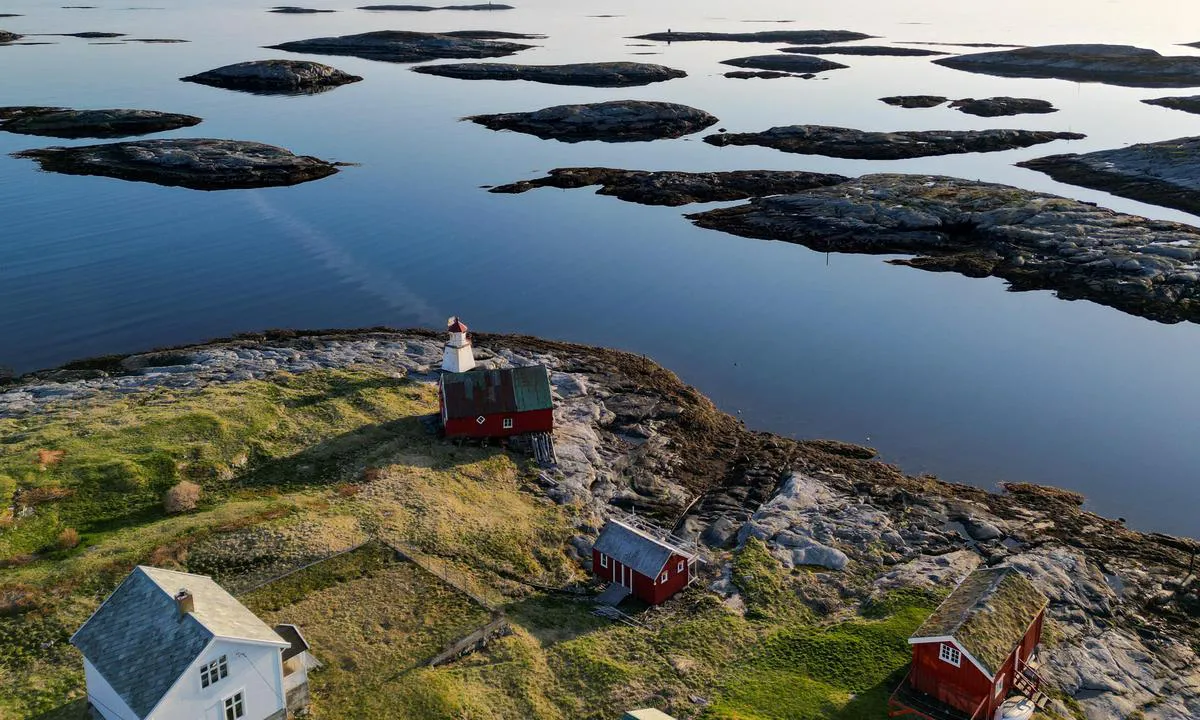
(1000, 685)
(679, 567)
(235, 706)
(663, 579)
(603, 560)
(950, 654)
(508, 423)
(216, 670)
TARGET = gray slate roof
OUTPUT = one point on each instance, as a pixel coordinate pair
(629, 546)
(140, 644)
(988, 614)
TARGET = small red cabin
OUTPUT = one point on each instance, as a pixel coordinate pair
(496, 403)
(643, 560)
(976, 648)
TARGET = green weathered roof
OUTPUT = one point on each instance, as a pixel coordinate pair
(987, 614)
(486, 392)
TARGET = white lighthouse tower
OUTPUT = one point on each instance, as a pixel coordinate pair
(458, 356)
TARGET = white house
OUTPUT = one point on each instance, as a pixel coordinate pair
(174, 645)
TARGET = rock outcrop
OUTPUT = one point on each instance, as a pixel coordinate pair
(1188, 103)
(1033, 240)
(7, 37)
(795, 37)
(293, 10)
(196, 163)
(602, 74)
(914, 101)
(785, 63)
(1163, 173)
(275, 77)
(865, 145)
(760, 74)
(431, 8)
(1110, 64)
(615, 121)
(864, 50)
(677, 188)
(1003, 106)
(404, 47)
(67, 123)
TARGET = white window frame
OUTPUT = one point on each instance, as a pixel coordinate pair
(508, 423)
(679, 566)
(603, 560)
(232, 700)
(664, 576)
(1000, 685)
(214, 672)
(947, 653)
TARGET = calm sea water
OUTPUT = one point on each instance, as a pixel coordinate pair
(943, 374)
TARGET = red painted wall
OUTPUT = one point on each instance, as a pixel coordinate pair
(493, 426)
(644, 588)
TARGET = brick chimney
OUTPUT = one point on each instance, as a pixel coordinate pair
(185, 602)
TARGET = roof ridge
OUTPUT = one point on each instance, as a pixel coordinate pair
(642, 533)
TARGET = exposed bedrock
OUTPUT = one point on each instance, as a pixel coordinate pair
(1003, 106)
(785, 63)
(1187, 103)
(431, 8)
(866, 145)
(615, 121)
(275, 76)
(914, 101)
(677, 188)
(403, 46)
(1163, 173)
(796, 37)
(1033, 240)
(1111, 64)
(601, 74)
(196, 163)
(864, 50)
(68, 123)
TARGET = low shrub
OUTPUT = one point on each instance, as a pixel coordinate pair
(68, 539)
(182, 497)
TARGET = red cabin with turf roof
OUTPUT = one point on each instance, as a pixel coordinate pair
(976, 649)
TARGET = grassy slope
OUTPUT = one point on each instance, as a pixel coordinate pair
(283, 461)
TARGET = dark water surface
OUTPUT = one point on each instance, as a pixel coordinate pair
(944, 374)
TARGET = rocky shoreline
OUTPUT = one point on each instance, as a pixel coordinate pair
(1111, 64)
(1125, 613)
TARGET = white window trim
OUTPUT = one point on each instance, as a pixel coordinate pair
(508, 423)
(212, 669)
(230, 696)
(663, 578)
(603, 560)
(679, 566)
(947, 653)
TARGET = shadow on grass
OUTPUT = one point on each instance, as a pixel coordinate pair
(553, 620)
(343, 387)
(75, 710)
(871, 703)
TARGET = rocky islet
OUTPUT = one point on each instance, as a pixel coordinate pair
(195, 163)
(1165, 173)
(915, 101)
(785, 63)
(677, 188)
(855, 144)
(109, 123)
(401, 46)
(430, 8)
(794, 37)
(275, 77)
(602, 74)
(614, 121)
(1111, 64)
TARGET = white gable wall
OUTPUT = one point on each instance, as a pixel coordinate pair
(102, 697)
(255, 669)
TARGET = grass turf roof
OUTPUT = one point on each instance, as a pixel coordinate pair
(988, 614)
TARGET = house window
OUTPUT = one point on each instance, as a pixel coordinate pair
(679, 567)
(950, 654)
(1000, 685)
(603, 560)
(216, 670)
(663, 579)
(235, 706)
(508, 423)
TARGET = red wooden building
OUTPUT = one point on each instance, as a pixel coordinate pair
(644, 560)
(496, 403)
(979, 646)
